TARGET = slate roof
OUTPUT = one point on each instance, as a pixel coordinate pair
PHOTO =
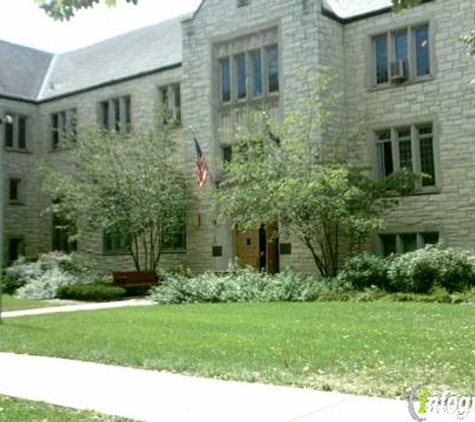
(22, 70)
(140, 51)
(347, 9)
(36, 75)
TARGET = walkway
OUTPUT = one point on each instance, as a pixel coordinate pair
(160, 396)
(78, 307)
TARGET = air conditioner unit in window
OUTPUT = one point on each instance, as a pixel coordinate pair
(399, 71)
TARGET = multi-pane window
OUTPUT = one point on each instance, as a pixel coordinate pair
(401, 55)
(63, 128)
(174, 238)
(116, 114)
(15, 194)
(170, 103)
(115, 242)
(406, 242)
(61, 236)
(250, 74)
(16, 132)
(410, 147)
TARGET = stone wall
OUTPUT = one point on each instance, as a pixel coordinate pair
(447, 99)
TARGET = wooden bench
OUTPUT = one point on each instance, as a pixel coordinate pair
(135, 278)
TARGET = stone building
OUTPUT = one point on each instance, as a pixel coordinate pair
(407, 74)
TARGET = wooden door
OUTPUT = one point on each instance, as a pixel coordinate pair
(247, 248)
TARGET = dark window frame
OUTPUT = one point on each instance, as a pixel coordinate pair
(178, 243)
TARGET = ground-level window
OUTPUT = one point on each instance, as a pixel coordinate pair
(16, 248)
(61, 235)
(406, 242)
(174, 238)
(115, 242)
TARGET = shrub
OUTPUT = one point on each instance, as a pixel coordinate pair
(174, 271)
(41, 279)
(92, 292)
(366, 270)
(19, 273)
(74, 263)
(419, 271)
(246, 285)
(456, 272)
(413, 272)
(46, 285)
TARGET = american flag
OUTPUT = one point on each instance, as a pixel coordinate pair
(202, 167)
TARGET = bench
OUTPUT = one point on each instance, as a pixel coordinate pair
(135, 278)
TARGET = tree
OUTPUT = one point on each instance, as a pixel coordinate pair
(300, 173)
(127, 185)
(64, 9)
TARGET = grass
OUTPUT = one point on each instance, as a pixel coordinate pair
(377, 348)
(10, 303)
(18, 410)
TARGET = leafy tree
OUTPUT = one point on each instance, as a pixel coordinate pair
(130, 186)
(300, 173)
(64, 9)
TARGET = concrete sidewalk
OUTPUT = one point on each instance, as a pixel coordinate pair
(77, 307)
(160, 396)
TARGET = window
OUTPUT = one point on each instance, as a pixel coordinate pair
(249, 74)
(225, 80)
(16, 248)
(273, 69)
(240, 62)
(62, 231)
(170, 103)
(15, 194)
(401, 55)
(406, 242)
(227, 153)
(410, 147)
(256, 74)
(63, 128)
(16, 132)
(115, 242)
(174, 238)
(242, 3)
(116, 114)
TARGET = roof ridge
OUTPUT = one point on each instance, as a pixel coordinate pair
(46, 76)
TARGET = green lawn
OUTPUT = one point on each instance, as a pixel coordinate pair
(9, 303)
(17, 410)
(377, 348)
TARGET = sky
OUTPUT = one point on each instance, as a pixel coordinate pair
(23, 22)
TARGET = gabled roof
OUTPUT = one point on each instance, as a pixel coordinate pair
(36, 75)
(348, 9)
(141, 51)
(22, 70)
